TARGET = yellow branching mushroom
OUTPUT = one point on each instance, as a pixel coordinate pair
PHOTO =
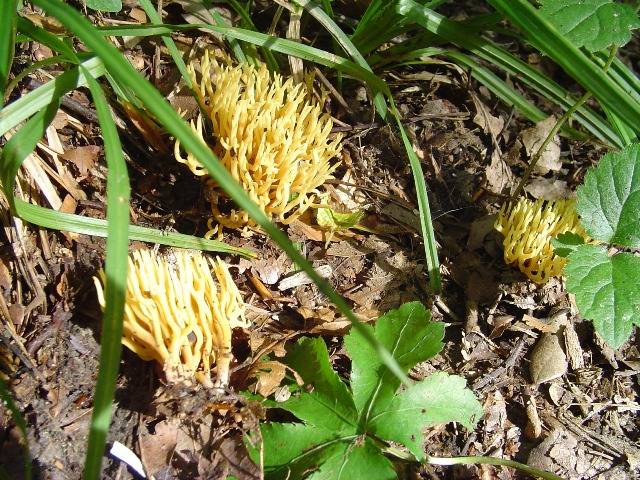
(528, 228)
(179, 316)
(270, 134)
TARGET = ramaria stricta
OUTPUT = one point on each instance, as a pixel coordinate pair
(269, 133)
(179, 316)
(528, 228)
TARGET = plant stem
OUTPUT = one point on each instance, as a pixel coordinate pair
(558, 125)
(476, 460)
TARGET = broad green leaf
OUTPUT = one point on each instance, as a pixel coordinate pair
(440, 398)
(566, 243)
(410, 336)
(105, 5)
(609, 199)
(358, 460)
(329, 405)
(292, 449)
(336, 221)
(593, 24)
(606, 290)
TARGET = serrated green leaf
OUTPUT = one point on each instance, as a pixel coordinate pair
(358, 460)
(609, 199)
(105, 5)
(335, 221)
(292, 449)
(606, 290)
(440, 398)
(410, 336)
(330, 404)
(566, 243)
(593, 24)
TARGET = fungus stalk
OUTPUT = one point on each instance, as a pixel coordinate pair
(528, 228)
(179, 316)
(270, 134)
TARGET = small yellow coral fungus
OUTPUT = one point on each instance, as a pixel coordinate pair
(270, 134)
(177, 315)
(528, 228)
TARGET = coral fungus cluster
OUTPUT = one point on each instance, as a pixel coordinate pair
(528, 228)
(179, 316)
(270, 134)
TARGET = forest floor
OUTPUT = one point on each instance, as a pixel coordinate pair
(580, 420)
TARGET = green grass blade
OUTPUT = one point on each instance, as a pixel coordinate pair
(247, 23)
(8, 19)
(175, 125)
(430, 245)
(281, 45)
(5, 396)
(431, 252)
(505, 93)
(336, 32)
(155, 18)
(40, 35)
(522, 14)
(32, 68)
(18, 111)
(116, 263)
(459, 35)
(45, 217)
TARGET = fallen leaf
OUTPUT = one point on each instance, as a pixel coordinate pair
(548, 360)
(486, 121)
(532, 138)
(156, 448)
(498, 174)
(269, 374)
(84, 158)
(548, 188)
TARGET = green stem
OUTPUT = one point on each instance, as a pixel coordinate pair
(479, 460)
(556, 128)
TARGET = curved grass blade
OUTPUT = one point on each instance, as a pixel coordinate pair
(18, 111)
(116, 265)
(40, 35)
(455, 33)
(522, 14)
(336, 32)
(431, 251)
(281, 45)
(48, 218)
(8, 19)
(176, 126)
(247, 23)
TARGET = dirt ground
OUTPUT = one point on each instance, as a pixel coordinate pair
(578, 420)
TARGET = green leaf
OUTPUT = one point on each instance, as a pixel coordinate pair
(606, 290)
(593, 24)
(410, 336)
(440, 398)
(359, 460)
(291, 449)
(566, 243)
(609, 199)
(335, 221)
(105, 5)
(330, 404)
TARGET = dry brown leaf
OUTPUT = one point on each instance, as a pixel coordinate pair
(156, 448)
(489, 123)
(269, 374)
(548, 188)
(498, 174)
(532, 138)
(84, 158)
(548, 360)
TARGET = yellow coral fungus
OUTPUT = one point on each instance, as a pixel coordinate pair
(179, 316)
(528, 228)
(270, 134)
